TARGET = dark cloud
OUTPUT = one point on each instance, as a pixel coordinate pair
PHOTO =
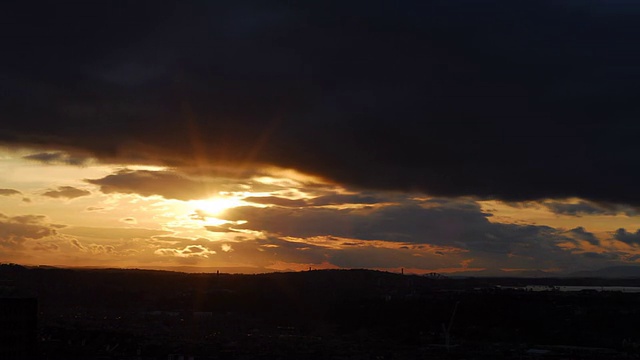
(589, 208)
(9, 192)
(580, 233)
(58, 158)
(458, 223)
(601, 256)
(340, 199)
(293, 222)
(180, 185)
(627, 237)
(498, 98)
(147, 183)
(324, 200)
(16, 230)
(66, 192)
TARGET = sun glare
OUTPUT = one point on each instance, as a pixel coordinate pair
(215, 206)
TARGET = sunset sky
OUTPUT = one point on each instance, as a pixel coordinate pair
(253, 136)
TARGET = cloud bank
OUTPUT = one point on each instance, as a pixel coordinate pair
(496, 99)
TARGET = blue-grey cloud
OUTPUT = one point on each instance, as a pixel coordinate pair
(339, 199)
(58, 158)
(601, 256)
(627, 237)
(581, 234)
(456, 223)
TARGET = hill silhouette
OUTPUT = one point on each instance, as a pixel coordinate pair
(86, 313)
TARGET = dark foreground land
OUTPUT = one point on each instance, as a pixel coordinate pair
(337, 314)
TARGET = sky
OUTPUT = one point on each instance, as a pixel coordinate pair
(250, 136)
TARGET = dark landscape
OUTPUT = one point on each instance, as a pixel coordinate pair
(324, 314)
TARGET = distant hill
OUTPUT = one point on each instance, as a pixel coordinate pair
(609, 272)
(504, 274)
(187, 269)
(612, 272)
(320, 314)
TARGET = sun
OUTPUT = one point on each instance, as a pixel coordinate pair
(217, 205)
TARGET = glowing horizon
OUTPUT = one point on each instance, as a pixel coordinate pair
(85, 213)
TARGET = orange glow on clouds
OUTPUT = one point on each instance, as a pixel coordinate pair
(148, 216)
